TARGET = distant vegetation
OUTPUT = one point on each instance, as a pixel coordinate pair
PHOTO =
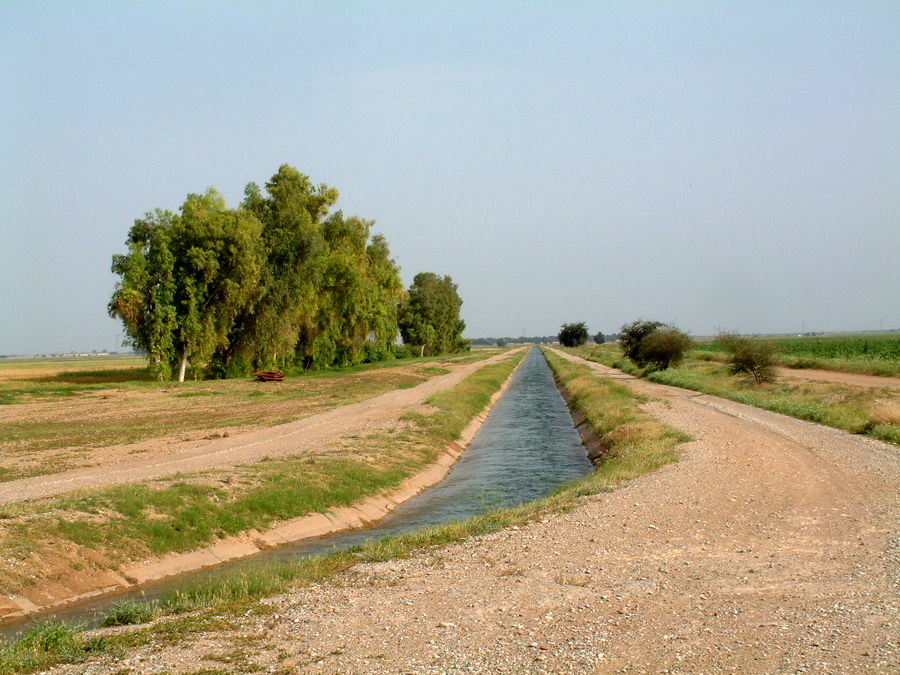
(722, 367)
(573, 334)
(430, 316)
(503, 341)
(275, 282)
(654, 344)
(869, 347)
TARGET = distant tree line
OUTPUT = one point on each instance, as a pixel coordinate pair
(279, 281)
(502, 341)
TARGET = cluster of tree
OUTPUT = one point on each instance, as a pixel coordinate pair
(654, 344)
(573, 334)
(275, 282)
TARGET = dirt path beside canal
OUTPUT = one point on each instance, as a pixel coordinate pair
(284, 439)
(770, 547)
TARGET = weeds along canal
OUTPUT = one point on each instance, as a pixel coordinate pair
(526, 448)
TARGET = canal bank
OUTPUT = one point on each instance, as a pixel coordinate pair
(99, 589)
(523, 449)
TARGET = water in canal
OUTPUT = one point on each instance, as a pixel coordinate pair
(526, 448)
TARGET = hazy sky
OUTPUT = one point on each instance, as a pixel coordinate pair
(724, 164)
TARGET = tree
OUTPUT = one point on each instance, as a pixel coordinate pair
(653, 343)
(144, 298)
(599, 338)
(754, 357)
(429, 318)
(573, 334)
(281, 322)
(185, 279)
(277, 281)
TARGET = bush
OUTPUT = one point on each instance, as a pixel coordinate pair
(573, 334)
(653, 343)
(754, 357)
(664, 347)
(599, 338)
(633, 335)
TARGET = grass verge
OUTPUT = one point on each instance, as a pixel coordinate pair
(866, 411)
(635, 443)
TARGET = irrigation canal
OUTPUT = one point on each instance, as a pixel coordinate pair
(525, 449)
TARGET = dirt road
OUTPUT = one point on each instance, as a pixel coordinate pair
(767, 548)
(854, 379)
(284, 439)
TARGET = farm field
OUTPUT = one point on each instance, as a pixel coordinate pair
(872, 354)
(864, 408)
(63, 414)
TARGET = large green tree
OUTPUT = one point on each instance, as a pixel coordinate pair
(145, 296)
(274, 282)
(429, 319)
(281, 320)
(185, 279)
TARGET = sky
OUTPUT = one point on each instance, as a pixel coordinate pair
(730, 165)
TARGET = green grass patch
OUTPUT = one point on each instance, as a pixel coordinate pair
(636, 443)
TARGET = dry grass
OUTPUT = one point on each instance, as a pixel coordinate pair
(62, 416)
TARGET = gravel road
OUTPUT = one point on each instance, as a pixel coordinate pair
(770, 547)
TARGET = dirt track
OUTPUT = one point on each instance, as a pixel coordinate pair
(853, 379)
(768, 548)
(217, 453)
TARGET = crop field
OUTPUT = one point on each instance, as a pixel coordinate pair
(873, 354)
(868, 347)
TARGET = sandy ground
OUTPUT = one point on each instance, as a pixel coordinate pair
(770, 547)
(854, 379)
(164, 459)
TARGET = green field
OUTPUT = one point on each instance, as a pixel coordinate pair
(864, 347)
(871, 354)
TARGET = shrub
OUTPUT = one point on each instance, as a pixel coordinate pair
(599, 338)
(633, 335)
(573, 334)
(754, 357)
(664, 347)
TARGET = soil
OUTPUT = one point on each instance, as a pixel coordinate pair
(97, 427)
(853, 379)
(162, 457)
(770, 547)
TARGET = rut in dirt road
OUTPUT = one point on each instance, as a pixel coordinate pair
(284, 439)
(768, 548)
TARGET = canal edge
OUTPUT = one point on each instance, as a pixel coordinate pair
(592, 443)
(363, 513)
